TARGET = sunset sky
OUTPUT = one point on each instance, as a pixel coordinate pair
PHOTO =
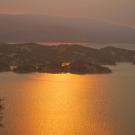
(116, 11)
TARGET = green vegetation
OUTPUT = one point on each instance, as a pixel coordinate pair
(27, 58)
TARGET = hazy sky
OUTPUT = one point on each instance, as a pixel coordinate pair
(117, 11)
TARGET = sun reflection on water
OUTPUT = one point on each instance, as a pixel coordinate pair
(58, 104)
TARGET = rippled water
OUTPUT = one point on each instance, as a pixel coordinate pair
(66, 104)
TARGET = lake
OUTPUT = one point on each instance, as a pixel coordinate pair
(67, 104)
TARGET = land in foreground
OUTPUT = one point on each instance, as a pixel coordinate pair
(31, 57)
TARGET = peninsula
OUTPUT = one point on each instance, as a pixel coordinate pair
(76, 59)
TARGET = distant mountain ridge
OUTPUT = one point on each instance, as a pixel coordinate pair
(35, 28)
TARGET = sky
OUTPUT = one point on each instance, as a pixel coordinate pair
(115, 11)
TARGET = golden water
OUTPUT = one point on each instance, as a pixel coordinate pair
(66, 104)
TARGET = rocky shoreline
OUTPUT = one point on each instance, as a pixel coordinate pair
(1, 108)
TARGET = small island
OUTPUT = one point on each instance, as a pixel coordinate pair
(75, 59)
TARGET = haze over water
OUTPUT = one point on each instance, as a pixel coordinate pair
(129, 46)
(67, 104)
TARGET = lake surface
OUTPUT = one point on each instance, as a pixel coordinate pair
(66, 104)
